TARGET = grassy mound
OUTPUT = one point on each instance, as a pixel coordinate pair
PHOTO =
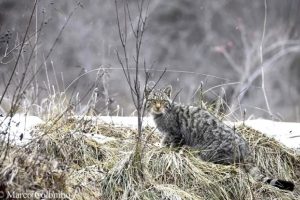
(179, 174)
(63, 159)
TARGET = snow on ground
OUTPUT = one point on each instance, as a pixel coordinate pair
(125, 121)
(20, 125)
(18, 128)
(101, 139)
(288, 133)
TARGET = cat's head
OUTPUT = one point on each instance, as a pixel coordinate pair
(158, 101)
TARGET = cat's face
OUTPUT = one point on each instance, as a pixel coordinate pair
(158, 100)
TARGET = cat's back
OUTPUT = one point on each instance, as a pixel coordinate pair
(195, 118)
(201, 128)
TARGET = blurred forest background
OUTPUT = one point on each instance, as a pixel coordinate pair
(213, 43)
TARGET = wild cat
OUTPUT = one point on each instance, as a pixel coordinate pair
(196, 127)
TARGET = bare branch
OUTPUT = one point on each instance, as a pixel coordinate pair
(19, 54)
(232, 63)
(130, 20)
(263, 33)
(137, 91)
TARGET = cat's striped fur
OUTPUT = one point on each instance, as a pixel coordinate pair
(198, 128)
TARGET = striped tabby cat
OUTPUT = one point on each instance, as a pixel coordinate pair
(195, 127)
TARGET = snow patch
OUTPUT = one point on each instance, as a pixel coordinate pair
(101, 139)
(127, 121)
(17, 129)
(288, 133)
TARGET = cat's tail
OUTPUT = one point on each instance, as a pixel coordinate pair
(281, 184)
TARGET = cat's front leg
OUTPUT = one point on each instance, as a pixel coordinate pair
(177, 142)
(172, 141)
(165, 141)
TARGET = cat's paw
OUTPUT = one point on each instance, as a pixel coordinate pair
(165, 142)
(175, 145)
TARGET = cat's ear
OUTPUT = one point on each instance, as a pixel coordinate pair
(168, 91)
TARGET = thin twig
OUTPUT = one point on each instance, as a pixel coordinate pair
(20, 52)
(261, 61)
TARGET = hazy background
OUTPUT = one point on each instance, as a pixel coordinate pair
(215, 43)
